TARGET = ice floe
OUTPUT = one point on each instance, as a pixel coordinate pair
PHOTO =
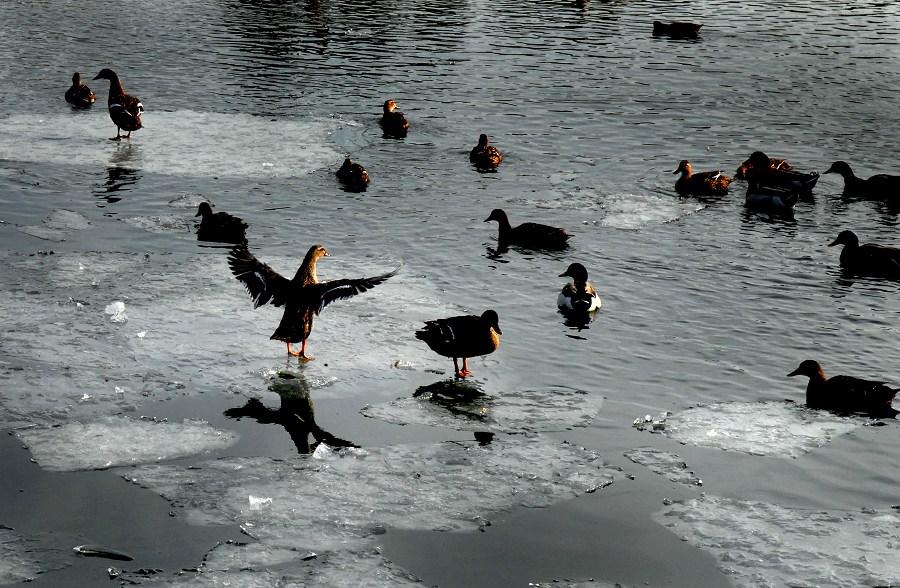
(664, 463)
(16, 563)
(57, 225)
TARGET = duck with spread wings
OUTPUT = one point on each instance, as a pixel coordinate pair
(303, 297)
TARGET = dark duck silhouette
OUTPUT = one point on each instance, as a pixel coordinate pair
(700, 184)
(771, 200)
(762, 174)
(353, 175)
(124, 110)
(676, 29)
(774, 163)
(869, 259)
(484, 155)
(463, 336)
(303, 297)
(845, 394)
(79, 94)
(220, 226)
(877, 186)
(530, 235)
(393, 123)
(579, 295)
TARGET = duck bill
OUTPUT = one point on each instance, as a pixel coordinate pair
(796, 372)
(835, 242)
(499, 332)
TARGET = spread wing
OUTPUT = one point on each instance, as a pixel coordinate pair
(322, 294)
(262, 282)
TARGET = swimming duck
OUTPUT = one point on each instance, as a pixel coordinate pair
(353, 175)
(463, 336)
(484, 155)
(124, 110)
(531, 235)
(760, 173)
(303, 297)
(393, 123)
(845, 393)
(79, 94)
(774, 163)
(578, 295)
(676, 29)
(869, 259)
(701, 184)
(220, 226)
(771, 200)
(877, 186)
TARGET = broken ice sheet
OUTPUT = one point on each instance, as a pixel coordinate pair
(462, 407)
(57, 225)
(664, 463)
(16, 563)
(762, 544)
(115, 440)
(782, 429)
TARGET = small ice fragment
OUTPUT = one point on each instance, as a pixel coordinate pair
(117, 311)
(86, 397)
(267, 164)
(120, 392)
(100, 551)
(257, 502)
(142, 334)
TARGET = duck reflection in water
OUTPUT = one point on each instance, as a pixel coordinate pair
(458, 397)
(296, 413)
(118, 179)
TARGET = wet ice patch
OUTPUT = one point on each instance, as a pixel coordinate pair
(761, 544)
(115, 441)
(16, 563)
(170, 223)
(635, 211)
(57, 225)
(116, 312)
(461, 406)
(665, 463)
(759, 428)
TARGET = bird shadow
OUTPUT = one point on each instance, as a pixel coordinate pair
(458, 397)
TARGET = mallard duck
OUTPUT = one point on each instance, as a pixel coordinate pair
(877, 186)
(463, 336)
(774, 163)
(702, 184)
(124, 110)
(870, 259)
(220, 226)
(353, 175)
(79, 94)
(303, 297)
(393, 123)
(578, 295)
(845, 393)
(771, 200)
(760, 173)
(531, 235)
(676, 29)
(484, 155)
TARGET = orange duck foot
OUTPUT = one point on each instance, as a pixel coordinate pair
(461, 373)
(299, 354)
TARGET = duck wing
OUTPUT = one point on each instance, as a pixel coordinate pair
(262, 282)
(854, 394)
(318, 296)
(127, 111)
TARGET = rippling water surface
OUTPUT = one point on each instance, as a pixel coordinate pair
(706, 307)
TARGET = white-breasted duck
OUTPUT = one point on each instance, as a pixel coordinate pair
(463, 336)
(124, 110)
(579, 295)
(79, 94)
(845, 394)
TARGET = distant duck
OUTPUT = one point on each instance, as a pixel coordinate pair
(771, 200)
(845, 393)
(761, 173)
(702, 184)
(393, 123)
(220, 226)
(868, 259)
(484, 155)
(124, 110)
(530, 235)
(79, 94)
(303, 297)
(877, 186)
(353, 175)
(774, 163)
(463, 336)
(676, 29)
(578, 295)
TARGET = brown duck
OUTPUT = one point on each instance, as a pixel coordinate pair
(79, 94)
(353, 175)
(303, 297)
(676, 29)
(774, 163)
(462, 336)
(711, 183)
(220, 226)
(124, 110)
(845, 393)
(393, 123)
(530, 235)
(484, 155)
(762, 174)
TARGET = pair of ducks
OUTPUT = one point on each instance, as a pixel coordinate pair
(124, 110)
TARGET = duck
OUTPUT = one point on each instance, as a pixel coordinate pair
(870, 258)
(676, 29)
(702, 184)
(124, 110)
(220, 226)
(877, 186)
(393, 123)
(771, 200)
(484, 155)
(761, 173)
(463, 336)
(79, 94)
(303, 297)
(774, 163)
(845, 394)
(353, 175)
(530, 235)
(579, 295)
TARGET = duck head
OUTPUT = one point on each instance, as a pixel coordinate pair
(204, 210)
(759, 160)
(577, 272)
(683, 168)
(106, 74)
(315, 252)
(845, 238)
(840, 167)
(492, 320)
(389, 106)
(76, 79)
(809, 368)
(483, 140)
(498, 215)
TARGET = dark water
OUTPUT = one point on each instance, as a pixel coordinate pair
(254, 105)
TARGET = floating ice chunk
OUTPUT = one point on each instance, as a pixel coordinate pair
(114, 441)
(759, 428)
(635, 211)
(16, 563)
(142, 334)
(116, 310)
(57, 225)
(258, 502)
(664, 463)
(161, 224)
(761, 544)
